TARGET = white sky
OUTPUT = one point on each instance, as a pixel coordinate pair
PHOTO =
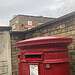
(51, 8)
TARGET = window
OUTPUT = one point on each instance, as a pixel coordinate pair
(62, 26)
(13, 27)
(30, 23)
(40, 23)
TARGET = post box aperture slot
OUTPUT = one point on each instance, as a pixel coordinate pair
(33, 56)
(19, 56)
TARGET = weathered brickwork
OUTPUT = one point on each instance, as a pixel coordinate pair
(15, 36)
(5, 51)
(25, 22)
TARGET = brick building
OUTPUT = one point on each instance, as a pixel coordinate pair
(5, 51)
(25, 22)
(64, 26)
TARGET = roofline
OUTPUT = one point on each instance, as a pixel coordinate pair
(17, 32)
(5, 28)
(32, 16)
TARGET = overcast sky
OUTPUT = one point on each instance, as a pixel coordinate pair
(50, 8)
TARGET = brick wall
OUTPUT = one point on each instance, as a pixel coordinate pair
(5, 53)
(15, 36)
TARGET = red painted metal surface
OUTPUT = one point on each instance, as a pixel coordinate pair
(44, 56)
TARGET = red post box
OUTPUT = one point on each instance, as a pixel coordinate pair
(44, 56)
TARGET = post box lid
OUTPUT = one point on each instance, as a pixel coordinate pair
(44, 40)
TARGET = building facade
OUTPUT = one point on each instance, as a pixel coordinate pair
(25, 22)
(63, 26)
(5, 51)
